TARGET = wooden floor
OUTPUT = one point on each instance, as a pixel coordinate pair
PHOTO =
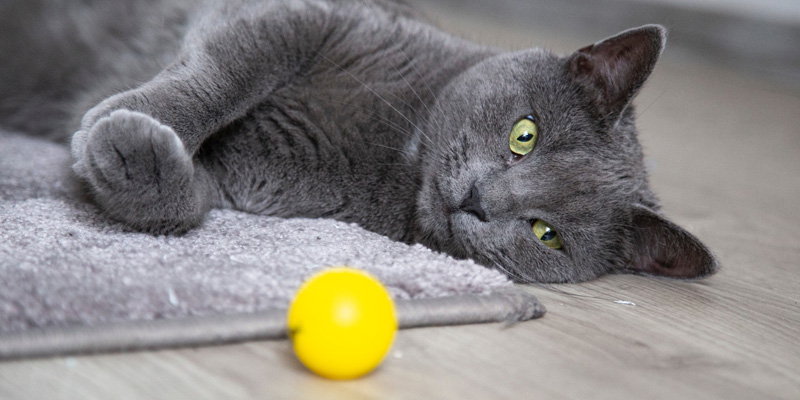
(725, 155)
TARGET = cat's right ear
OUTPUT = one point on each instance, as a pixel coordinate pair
(663, 248)
(612, 71)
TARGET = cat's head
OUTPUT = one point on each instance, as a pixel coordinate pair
(535, 168)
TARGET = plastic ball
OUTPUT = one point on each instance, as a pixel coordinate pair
(342, 323)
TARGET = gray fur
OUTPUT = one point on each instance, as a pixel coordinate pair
(354, 110)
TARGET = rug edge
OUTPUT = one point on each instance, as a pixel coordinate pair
(508, 305)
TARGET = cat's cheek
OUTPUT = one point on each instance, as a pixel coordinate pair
(503, 242)
(432, 213)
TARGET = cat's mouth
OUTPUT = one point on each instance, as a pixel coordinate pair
(445, 226)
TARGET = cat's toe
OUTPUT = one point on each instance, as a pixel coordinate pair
(132, 151)
(139, 172)
(78, 149)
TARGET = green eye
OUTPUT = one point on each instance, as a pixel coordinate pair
(523, 136)
(547, 234)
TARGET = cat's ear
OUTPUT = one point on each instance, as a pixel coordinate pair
(662, 248)
(613, 70)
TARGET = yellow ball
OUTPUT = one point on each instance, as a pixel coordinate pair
(342, 323)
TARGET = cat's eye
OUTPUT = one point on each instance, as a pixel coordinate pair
(523, 136)
(546, 234)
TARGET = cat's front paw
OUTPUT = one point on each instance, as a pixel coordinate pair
(139, 173)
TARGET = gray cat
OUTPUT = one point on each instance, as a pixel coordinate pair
(360, 111)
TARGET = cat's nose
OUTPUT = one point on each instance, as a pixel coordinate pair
(472, 203)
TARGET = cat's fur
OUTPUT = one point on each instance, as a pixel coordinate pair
(355, 110)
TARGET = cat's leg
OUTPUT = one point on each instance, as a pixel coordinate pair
(134, 150)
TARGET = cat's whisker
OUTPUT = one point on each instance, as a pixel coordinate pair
(376, 94)
(639, 114)
(521, 275)
(375, 116)
(401, 151)
(510, 273)
(425, 82)
(499, 260)
(421, 77)
(438, 108)
(410, 86)
(392, 164)
(414, 109)
(389, 123)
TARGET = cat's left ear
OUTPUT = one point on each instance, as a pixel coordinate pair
(612, 71)
(662, 248)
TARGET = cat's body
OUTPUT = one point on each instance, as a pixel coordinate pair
(353, 110)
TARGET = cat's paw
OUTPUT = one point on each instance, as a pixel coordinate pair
(80, 139)
(139, 173)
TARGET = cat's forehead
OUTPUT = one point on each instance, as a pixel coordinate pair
(511, 74)
(517, 84)
(535, 83)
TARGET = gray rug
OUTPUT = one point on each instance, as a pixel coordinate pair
(72, 281)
